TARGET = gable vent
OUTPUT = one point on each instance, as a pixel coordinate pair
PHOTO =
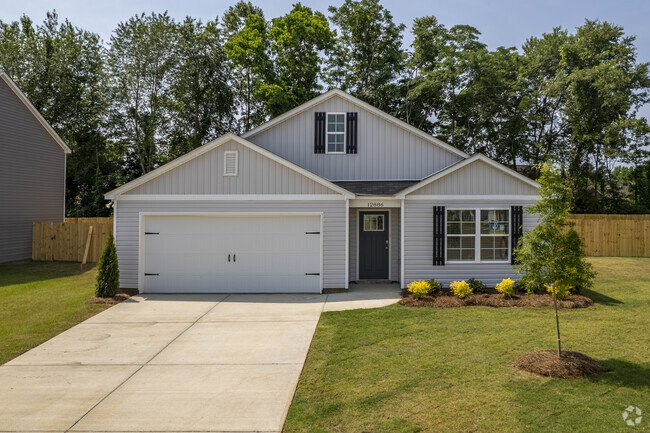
(230, 163)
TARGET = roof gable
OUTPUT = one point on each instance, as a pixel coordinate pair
(361, 104)
(477, 175)
(191, 166)
(14, 88)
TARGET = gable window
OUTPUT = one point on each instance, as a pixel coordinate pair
(478, 235)
(335, 132)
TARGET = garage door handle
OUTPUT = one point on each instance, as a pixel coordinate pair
(228, 258)
(312, 273)
(234, 257)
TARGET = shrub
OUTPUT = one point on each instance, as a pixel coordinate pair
(560, 289)
(477, 285)
(460, 289)
(436, 287)
(506, 287)
(419, 288)
(108, 273)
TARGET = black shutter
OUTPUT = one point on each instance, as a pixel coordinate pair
(319, 133)
(351, 133)
(438, 236)
(517, 230)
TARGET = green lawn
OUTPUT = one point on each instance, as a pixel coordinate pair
(398, 369)
(39, 300)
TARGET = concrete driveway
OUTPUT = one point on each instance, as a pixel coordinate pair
(219, 363)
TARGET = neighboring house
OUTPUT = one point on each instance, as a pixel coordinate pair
(32, 172)
(331, 192)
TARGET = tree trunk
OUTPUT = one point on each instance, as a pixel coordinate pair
(557, 325)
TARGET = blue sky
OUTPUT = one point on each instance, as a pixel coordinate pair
(501, 22)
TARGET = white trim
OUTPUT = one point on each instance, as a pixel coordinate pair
(225, 164)
(477, 236)
(401, 238)
(233, 197)
(390, 240)
(327, 133)
(347, 243)
(337, 92)
(451, 197)
(213, 145)
(65, 181)
(142, 227)
(34, 111)
(461, 164)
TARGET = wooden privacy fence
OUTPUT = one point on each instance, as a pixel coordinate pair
(614, 235)
(71, 241)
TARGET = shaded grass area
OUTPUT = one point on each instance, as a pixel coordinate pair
(398, 369)
(39, 300)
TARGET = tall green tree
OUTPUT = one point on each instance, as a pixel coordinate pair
(298, 41)
(367, 59)
(141, 59)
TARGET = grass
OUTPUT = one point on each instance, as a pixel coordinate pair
(407, 370)
(39, 300)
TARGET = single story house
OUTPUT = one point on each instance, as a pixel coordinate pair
(332, 192)
(32, 172)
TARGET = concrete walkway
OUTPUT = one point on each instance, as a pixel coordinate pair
(219, 363)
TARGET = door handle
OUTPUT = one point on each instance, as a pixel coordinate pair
(234, 257)
(228, 258)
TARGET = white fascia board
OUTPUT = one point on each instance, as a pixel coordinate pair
(356, 101)
(454, 167)
(112, 195)
(231, 197)
(473, 198)
(34, 111)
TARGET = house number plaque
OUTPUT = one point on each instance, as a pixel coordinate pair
(375, 204)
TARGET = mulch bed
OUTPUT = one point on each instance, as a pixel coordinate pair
(546, 363)
(447, 300)
(109, 301)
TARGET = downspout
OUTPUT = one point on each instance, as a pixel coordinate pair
(401, 240)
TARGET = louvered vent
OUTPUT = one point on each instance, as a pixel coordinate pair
(230, 163)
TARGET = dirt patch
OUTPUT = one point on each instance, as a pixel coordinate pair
(109, 301)
(446, 300)
(546, 363)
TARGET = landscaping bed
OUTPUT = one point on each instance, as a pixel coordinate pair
(447, 300)
(571, 365)
(109, 301)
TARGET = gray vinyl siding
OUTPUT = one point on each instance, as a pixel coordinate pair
(386, 151)
(32, 176)
(418, 245)
(127, 235)
(475, 179)
(395, 243)
(257, 174)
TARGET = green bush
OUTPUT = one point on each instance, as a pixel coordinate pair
(436, 287)
(108, 272)
(477, 285)
(460, 289)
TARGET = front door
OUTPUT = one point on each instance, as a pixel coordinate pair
(373, 245)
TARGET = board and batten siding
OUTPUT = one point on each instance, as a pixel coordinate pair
(127, 226)
(32, 176)
(386, 150)
(256, 174)
(477, 178)
(395, 243)
(418, 244)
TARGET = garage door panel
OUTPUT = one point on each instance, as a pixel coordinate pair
(267, 254)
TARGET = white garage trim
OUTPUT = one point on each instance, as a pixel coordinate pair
(143, 215)
(229, 197)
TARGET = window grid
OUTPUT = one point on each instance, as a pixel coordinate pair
(335, 132)
(477, 235)
(373, 223)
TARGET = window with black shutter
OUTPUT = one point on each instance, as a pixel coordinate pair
(438, 235)
(517, 215)
(320, 132)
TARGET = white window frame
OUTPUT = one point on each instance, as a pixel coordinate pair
(345, 126)
(477, 235)
(377, 215)
(225, 160)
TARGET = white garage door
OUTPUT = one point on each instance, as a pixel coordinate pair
(231, 254)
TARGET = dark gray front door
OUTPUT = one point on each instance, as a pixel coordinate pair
(373, 245)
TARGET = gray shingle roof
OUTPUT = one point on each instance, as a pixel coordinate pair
(376, 187)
